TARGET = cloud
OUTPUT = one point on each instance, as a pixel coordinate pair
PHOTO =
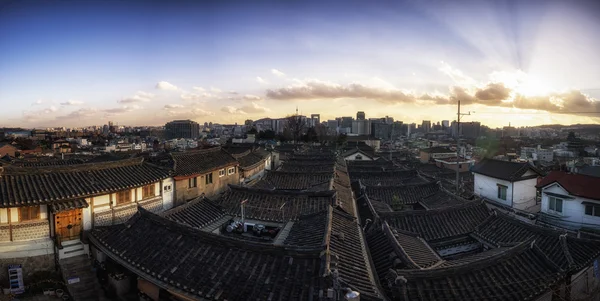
(173, 106)
(199, 89)
(319, 90)
(215, 90)
(254, 108)
(83, 112)
(72, 103)
(233, 92)
(232, 110)
(198, 97)
(189, 114)
(123, 109)
(490, 94)
(139, 96)
(38, 102)
(251, 97)
(277, 72)
(260, 80)
(166, 86)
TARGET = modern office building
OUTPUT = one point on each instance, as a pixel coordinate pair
(182, 129)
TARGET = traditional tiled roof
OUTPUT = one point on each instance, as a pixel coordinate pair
(196, 213)
(441, 199)
(341, 184)
(277, 205)
(504, 170)
(68, 205)
(405, 194)
(46, 163)
(203, 265)
(197, 162)
(563, 250)
(412, 250)
(310, 230)
(348, 247)
(383, 175)
(473, 257)
(575, 184)
(439, 223)
(437, 150)
(318, 167)
(23, 186)
(298, 180)
(530, 275)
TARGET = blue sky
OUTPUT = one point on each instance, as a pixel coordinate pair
(76, 63)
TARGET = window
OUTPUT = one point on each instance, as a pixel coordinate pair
(209, 179)
(555, 204)
(167, 188)
(29, 213)
(148, 191)
(123, 197)
(221, 172)
(593, 210)
(502, 192)
(192, 182)
(358, 157)
(230, 170)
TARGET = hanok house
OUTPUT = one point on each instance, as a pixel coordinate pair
(470, 253)
(8, 149)
(206, 171)
(253, 162)
(570, 200)
(45, 209)
(256, 244)
(509, 184)
(308, 181)
(430, 154)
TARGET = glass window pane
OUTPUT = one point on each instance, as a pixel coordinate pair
(551, 203)
(559, 203)
(596, 210)
(589, 209)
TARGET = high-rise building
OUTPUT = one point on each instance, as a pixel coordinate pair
(426, 126)
(315, 119)
(381, 130)
(470, 129)
(182, 129)
(445, 124)
(360, 115)
(346, 123)
(361, 127)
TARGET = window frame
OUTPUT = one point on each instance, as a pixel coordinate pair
(145, 194)
(29, 213)
(230, 171)
(221, 172)
(552, 205)
(118, 197)
(193, 182)
(594, 213)
(499, 192)
(208, 179)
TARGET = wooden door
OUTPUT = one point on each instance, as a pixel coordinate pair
(68, 224)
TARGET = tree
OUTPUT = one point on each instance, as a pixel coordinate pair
(267, 134)
(252, 131)
(296, 125)
(311, 135)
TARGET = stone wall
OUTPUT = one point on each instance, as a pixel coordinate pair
(123, 213)
(25, 231)
(30, 266)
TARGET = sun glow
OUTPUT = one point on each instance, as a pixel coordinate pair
(522, 83)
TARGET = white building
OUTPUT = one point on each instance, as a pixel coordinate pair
(509, 184)
(537, 153)
(570, 200)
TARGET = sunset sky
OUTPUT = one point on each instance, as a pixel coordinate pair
(76, 63)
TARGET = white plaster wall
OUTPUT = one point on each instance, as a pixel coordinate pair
(524, 194)
(139, 194)
(168, 196)
(14, 215)
(157, 188)
(44, 212)
(573, 209)
(101, 203)
(87, 217)
(19, 249)
(353, 157)
(487, 187)
(3, 215)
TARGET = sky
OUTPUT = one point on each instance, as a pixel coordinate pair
(80, 63)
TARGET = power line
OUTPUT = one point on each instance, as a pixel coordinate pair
(537, 113)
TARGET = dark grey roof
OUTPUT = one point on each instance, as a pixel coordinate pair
(197, 162)
(504, 170)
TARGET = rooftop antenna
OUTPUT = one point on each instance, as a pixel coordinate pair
(296, 110)
(458, 144)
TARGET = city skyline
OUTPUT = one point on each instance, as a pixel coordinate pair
(145, 63)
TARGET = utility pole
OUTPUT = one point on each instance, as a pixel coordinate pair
(458, 146)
